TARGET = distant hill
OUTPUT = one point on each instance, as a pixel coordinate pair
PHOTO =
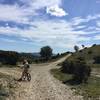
(9, 57)
(12, 57)
(36, 54)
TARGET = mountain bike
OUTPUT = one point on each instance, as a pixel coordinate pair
(26, 76)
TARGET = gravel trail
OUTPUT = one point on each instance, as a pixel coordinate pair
(43, 85)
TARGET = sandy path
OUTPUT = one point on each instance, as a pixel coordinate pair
(43, 85)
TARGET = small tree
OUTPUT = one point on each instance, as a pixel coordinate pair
(97, 59)
(67, 67)
(46, 52)
(93, 45)
(76, 48)
(83, 46)
(90, 52)
(78, 68)
(81, 72)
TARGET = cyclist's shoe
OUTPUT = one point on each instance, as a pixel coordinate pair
(20, 79)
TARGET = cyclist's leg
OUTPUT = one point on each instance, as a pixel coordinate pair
(28, 76)
(22, 76)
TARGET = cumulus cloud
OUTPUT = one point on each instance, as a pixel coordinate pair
(56, 11)
(57, 33)
(97, 37)
(79, 20)
(23, 14)
(13, 13)
(37, 4)
(98, 24)
(60, 34)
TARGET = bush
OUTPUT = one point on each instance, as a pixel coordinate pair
(80, 58)
(56, 56)
(97, 59)
(80, 51)
(85, 48)
(67, 67)
(78, 68)
(93, 45)
(81, 72)
(8, 57)
(0, 64)
(90, 52)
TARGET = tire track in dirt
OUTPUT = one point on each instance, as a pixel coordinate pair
(43, 85)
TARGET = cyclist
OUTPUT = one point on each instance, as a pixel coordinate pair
(25, 70)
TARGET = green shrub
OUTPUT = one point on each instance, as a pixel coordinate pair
(97, 59)
(67, 67)
(80, 50)
(0, 64)
(90, 52)
(80, 58)
(78, 68)
(81, 71)
(93, 45)
(8, 57)
(85, 48)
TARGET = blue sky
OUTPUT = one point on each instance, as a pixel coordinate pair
(27, 25)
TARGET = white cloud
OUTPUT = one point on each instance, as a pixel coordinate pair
(58, 34)
(98, 24)
(13, 13)
(22, 14)
(97, 37)
(56, 11)
(80, 20)
(37, 4)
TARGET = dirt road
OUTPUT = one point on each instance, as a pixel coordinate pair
(43, 85)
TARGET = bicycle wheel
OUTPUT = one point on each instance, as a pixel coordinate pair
(29, 77)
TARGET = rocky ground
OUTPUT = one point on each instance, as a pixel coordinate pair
(43, 85)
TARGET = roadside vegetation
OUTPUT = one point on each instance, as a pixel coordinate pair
(90, 91)
(77, 71)
(7, 86)
(12, 58)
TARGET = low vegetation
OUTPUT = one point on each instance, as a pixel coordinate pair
(12, 58)
(91, 55)
(90, 91)
(8, 57)
(7, 86)
(97, 59)
(76, 71)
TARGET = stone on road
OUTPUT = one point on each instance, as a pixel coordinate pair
(43, 85)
